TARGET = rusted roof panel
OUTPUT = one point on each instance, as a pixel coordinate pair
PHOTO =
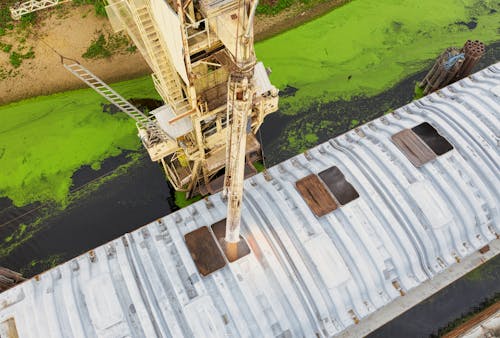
(335, 180)
(413, 147)
(313, 191)
(204, 251)
(432, 138)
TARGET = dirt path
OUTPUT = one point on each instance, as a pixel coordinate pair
(70, 31)
(70, 36)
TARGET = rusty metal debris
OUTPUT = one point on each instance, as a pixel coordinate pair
(232, 251)
(9, 278)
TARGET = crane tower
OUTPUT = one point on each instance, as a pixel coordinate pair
(216, 94)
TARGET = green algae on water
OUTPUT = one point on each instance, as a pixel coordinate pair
(25, 232)
(44, 140)
(367, 46)
(182, 201)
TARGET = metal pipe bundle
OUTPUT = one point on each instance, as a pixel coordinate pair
(443, 72)
(453, 65)
(473, 51)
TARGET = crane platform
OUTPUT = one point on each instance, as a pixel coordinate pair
(405, 224)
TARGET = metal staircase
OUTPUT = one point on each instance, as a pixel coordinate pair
(155, 133)
(19, 9)
(166, 79)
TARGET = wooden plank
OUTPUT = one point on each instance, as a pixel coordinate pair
(413, 147)
(313, 191)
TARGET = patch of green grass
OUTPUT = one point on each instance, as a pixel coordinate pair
(354, 123)
(104, 47)
(131, 49)
(5, 18)
(181, 201)
(16, 59)
(419, 92)
(99, 6)
(274, 7)
(28, 20)
(366, 47)
(259, 166)
(97, 49)
(46, 139)
(5, 47)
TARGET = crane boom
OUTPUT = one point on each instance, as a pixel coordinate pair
(239, 105)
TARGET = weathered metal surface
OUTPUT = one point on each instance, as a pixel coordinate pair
(342, 190)
(9, 278)
(315, 194)
(306, 276)
(231, 251)
(427, 133)
(204, 251)
(413, 147)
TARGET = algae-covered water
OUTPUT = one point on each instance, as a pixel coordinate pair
(44, 140)
(367, 46)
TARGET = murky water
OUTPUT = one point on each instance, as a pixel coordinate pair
(445, 306)
(116, 207)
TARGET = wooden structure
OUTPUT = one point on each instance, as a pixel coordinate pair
(452, 65)
(9, 278)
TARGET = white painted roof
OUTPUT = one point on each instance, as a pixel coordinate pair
(305, 276)
(165, 114)
(261, 79)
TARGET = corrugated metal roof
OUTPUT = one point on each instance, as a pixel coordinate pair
(306, 275)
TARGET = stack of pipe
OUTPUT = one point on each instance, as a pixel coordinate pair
(452, 65)
(473, 51)
(9, 278)
(443, 72)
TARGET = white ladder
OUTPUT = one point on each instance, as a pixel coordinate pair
(143, 122)
(19, 9)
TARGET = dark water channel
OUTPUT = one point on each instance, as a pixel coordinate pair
(143, 195)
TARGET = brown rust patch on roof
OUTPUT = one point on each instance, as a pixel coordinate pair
(204, 251)
(315, 194)
(413, 147)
